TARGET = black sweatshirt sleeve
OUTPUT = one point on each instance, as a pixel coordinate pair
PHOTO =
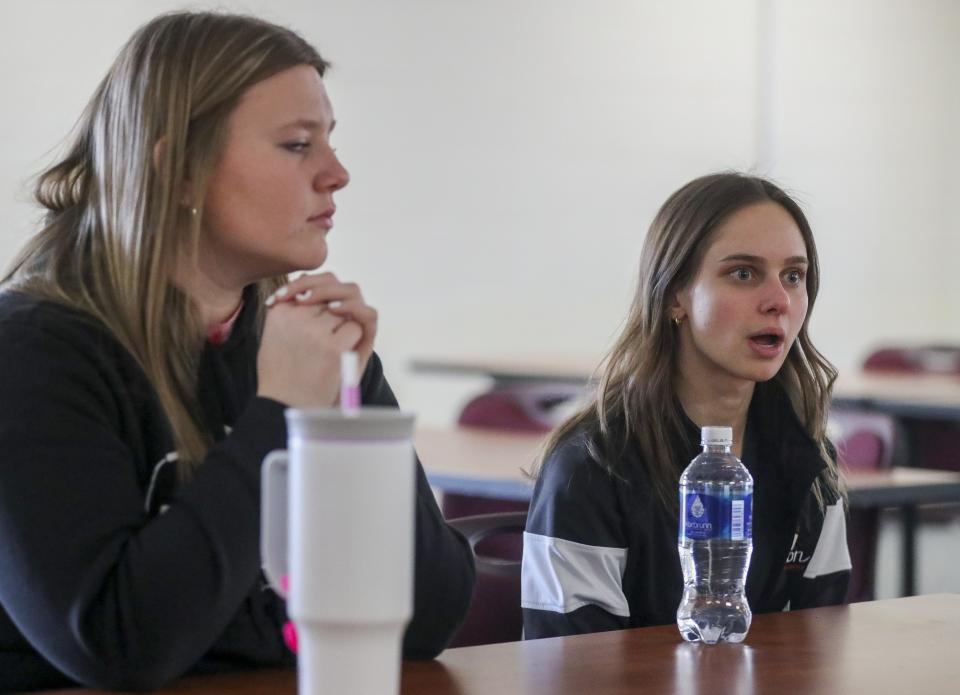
(116, 599)
(444, 571)
(574, 550)
(821, 547)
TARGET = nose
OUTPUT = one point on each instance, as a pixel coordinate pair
(775, 299)
(331, 174)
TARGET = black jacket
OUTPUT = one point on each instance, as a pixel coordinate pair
(600, 553)
(113, 574)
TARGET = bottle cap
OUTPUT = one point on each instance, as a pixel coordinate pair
(722, 436)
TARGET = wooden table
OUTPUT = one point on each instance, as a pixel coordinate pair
(551, 369)
(922, 396)
(906, 645)
(492, 463)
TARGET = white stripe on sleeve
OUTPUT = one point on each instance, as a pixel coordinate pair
(562, 576)
(831, 554)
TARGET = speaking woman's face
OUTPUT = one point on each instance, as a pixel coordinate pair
(269, 204)
(748, 301)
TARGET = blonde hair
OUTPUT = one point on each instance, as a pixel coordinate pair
(635, 406)
(116, 223)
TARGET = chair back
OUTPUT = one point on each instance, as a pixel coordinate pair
(864, 442)
(927, 359)
(522, 407)
(495, 614)
(864, 439)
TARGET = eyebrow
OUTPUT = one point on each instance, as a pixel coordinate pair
(308, 124)
(758, 260)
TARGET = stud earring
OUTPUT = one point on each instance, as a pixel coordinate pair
(677, 320)
(193, 211)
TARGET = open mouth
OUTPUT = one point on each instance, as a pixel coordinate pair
(767, 343)
(767, 339)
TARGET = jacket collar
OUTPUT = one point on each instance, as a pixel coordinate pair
(778, 452)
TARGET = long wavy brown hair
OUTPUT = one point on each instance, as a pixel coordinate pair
(116, 224)
(635, 407)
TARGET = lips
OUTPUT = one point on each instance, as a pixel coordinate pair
(767, 343)
(323, 219)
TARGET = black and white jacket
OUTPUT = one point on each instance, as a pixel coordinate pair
(115, 574)
(600, 553)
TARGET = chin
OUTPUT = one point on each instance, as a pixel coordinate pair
(765, 374)
(306, 261)
(315, 259)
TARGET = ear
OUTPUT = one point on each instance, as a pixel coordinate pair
(677, 307)
(159, 153)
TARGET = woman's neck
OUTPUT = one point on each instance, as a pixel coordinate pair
(216, 301)
(717, 403)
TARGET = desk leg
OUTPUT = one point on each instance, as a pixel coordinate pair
(909, 578)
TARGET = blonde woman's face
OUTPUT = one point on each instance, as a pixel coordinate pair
(748, 301)
(269, 206)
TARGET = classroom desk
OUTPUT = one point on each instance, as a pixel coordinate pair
(492, 463)
(907, 398)
(548, 369)
(919, 396)
(905, 645)
(935, 396)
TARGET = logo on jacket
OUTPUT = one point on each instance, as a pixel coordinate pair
(163, 485)
(796, 557)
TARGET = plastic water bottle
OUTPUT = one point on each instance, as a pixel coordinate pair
(715, 542)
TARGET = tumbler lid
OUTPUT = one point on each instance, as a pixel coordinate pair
(369, 423)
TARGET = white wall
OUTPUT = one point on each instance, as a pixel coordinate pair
(508, 155)
(869, 115)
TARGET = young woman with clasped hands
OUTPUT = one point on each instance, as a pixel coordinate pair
(150, 342)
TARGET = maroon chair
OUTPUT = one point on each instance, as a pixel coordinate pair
(494, 614)
(932, 442)
(929, 359)
(522, 407)
(494, 526)
(864, 442)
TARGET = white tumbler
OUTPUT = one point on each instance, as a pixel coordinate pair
(338, 519)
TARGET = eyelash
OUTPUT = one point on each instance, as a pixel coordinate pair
(297, 146)
(300, 146)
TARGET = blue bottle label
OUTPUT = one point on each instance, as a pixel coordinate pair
(723, 516)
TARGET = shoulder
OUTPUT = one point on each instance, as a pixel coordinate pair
(23, 315)
(41, 332)
(575, 497)
(48, 346)
(570, 459)
(586, 458)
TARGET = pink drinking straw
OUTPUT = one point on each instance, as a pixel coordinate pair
(349, 383)
(289, 629)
